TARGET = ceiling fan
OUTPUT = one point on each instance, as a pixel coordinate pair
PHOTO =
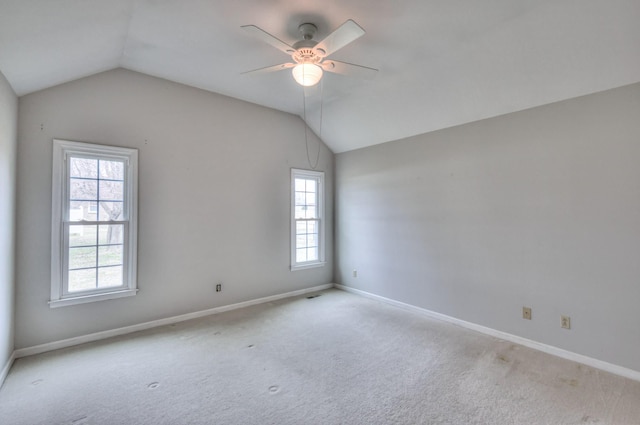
(310, 56)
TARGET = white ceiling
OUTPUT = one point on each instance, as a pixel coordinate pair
(441, 62)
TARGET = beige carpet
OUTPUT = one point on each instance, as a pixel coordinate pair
(334, 359)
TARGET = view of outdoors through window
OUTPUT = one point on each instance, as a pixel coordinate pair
(306, 219)
(95, 249)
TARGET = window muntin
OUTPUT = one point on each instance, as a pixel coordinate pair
(94, 221)
(307, 243)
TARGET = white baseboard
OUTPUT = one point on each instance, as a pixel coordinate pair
(56, 345)
(549, 349)
(7, 366)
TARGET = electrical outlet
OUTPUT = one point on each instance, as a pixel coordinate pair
(526, 313)
(565, 322)
(355, 273)
(219, 287)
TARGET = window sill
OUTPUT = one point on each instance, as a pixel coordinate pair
(91, 298)
(307, 266)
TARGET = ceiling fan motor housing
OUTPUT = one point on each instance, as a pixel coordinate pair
(305, 52)
(306, 55)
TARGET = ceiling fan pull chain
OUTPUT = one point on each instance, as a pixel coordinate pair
(304, 122)
(320, 129)
(306, 139)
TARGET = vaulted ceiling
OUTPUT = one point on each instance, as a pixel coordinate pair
(441, 62)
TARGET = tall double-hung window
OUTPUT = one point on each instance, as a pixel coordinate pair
(94, 222)
(307, 222)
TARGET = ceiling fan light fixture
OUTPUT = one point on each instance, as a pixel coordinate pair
(307, 74)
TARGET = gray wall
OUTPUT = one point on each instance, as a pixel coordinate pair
(8, 146)
(539, 208)
(213, 199)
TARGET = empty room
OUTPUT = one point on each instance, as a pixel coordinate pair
(319, 212)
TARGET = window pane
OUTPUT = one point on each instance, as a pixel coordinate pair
(81, 210)
(111, 190)
(111, 234)
(301, 241)
(301, 227)
(83, 167)
(312, 227)
(310, 186)
(301, 212)
(306, 254)
(112, 170)
(299, 185)
(80, 190)
(310, 199)
(307, 237)
(311, 212)
(110, 255)
(81, 235)
(301, 255)
(312, 254)
(82, 257)
(300, 198)
(304, 226)
(109, 277)
(82, 280)
(110, 211)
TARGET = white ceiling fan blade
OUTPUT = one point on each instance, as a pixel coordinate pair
(271, 68)
(342, 36)
(268, 38)
(346, 68)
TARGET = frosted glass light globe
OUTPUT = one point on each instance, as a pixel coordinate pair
(307, 74)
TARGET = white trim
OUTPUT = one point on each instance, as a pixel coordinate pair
(92, 297)
(304, 266)
(549, 349)
(57, 216)
(6, 368)
(318, 176)
(70, 342)
(61, 151)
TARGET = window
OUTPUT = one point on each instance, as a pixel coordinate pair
(94, 223)
(307, 221)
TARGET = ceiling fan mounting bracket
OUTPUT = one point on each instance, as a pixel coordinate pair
(308, 30)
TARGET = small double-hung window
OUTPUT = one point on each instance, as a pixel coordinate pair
(307, 222)
(94, 220)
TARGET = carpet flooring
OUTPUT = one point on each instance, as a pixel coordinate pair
(337, 358)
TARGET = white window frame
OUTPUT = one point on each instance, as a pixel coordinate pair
(62, 149)
(319, 177)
